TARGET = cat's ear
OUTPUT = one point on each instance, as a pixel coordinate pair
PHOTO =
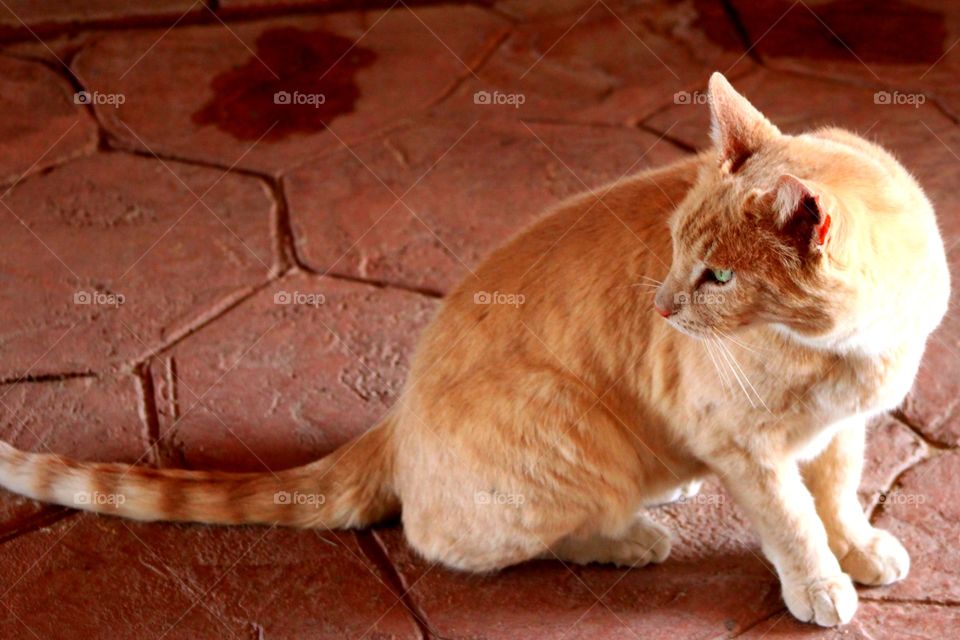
(800, 211)
(736, 127)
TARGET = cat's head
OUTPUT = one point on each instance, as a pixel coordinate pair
(814, 234)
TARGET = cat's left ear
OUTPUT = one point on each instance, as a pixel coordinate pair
(801, 212)
(737, 128)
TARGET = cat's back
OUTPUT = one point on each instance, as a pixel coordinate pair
(577, 266)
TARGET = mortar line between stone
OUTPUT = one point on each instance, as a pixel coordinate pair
(49, 377)
(912, 601)
(474, 68)
(286, 246)
(741, 30)
(376, 553)
(876, 510)
(899, 415)
(45, 518)
(748, 628)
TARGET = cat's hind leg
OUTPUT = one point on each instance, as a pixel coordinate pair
(643, 542)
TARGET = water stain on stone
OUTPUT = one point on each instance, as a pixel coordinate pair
(317, 83)
(877, 31)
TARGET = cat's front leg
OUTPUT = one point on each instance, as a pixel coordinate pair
(869, 555)
(793, 537)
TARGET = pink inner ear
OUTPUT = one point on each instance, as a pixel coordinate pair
(823, 229)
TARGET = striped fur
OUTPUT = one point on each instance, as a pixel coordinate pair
(348, 488)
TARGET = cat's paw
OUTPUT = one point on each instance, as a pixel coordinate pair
(644, 543)
(647, 542)
(880, 560)
(828, 602)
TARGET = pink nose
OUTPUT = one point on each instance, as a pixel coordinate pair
(664, 312)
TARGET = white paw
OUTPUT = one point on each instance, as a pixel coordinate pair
(683, 492)
(829, 601)
(691, 488)
(878, 561)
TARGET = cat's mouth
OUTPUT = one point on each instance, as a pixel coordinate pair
(692, 328)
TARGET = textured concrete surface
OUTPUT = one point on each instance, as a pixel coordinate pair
(226, 223)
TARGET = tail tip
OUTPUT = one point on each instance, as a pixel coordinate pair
(7, 450)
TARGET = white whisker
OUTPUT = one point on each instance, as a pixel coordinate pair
(723, 377)
(737, 342)
(725, 354)
(728, 368)
(744, 374)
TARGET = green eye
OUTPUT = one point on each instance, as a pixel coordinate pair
(722, 275)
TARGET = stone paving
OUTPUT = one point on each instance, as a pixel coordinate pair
(197, 275)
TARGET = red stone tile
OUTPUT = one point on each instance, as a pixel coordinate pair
(903, 46)
(118, 225)
(873, 621)
(310, 377)
(208, 92)
(610, 62)
(23, 16)
(106, 578)
(87, 418)
(229, 7)
(798, 103)
(467, 189)
(926, 142)
(714, 584)
(40, 123)
(923, 510)
(526, 10)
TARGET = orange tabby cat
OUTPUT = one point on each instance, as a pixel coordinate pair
(550, 401)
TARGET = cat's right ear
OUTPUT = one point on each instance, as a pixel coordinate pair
(801, 210)
(738, 130)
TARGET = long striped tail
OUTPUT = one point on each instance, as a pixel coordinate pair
(351, 487)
